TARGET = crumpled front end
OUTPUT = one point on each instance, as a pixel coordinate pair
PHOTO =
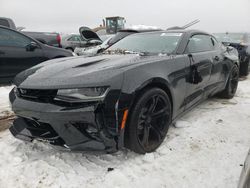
(83, 126)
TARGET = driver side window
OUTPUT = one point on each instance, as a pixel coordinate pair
(13, 39)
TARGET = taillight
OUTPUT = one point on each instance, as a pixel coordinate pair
(58, 39)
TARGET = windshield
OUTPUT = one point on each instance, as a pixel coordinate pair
(148, 43)
(233, 37)
(120, 35)
(105, 37)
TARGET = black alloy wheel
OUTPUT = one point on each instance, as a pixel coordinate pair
(149, 121)
(234, 81)
(232, 84)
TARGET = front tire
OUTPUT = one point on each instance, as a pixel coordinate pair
(232, 84)
(149, 121)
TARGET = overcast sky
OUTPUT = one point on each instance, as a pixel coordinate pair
(68, 15)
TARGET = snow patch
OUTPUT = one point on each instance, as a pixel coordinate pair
(4, 100)
(181, 124)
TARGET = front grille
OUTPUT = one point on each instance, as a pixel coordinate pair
(43, 131)
(37, 95)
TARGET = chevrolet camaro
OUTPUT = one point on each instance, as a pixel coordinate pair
(128, 96)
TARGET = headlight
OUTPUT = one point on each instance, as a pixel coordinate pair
(82, 94)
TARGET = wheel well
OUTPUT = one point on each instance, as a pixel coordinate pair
(139, 93)
(162, 86)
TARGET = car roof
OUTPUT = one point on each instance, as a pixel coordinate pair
(139, 30)
(190, 32)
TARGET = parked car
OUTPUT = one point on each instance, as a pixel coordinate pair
(87, 38)
(239, 41)
(93, 50)
(19, 52)
(127, 96)
(70, 42)
(52, 39)
(244, 181)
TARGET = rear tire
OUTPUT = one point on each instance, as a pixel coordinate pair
(149, 121)
(232, 84)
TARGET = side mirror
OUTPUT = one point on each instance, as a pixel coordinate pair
(32, 46)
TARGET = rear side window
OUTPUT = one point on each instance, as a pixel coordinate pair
(4, 23)
(13, 39)
(200, 43)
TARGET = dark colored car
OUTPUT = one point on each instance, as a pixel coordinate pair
(52, 39)
(127, 96)
(239, 41)
(19, 52)
(93, 50)
(244, 181)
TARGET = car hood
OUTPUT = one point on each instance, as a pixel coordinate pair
(79, 71)
(87, 34)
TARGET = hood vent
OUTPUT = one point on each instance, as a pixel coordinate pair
(90, 63)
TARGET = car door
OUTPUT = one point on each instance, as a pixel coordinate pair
(217, 66)
(17, 53)
(199, 50)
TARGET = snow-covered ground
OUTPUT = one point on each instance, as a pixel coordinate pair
(4, 100)
(204, 150)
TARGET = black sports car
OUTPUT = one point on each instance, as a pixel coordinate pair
(127, 96)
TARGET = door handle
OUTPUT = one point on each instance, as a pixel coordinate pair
(217, 58)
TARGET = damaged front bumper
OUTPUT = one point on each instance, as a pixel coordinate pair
(88, 126)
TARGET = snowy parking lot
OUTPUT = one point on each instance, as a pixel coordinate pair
(206, 148)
